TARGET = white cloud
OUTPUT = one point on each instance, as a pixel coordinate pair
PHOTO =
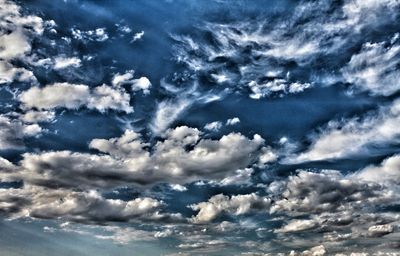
(104, 97)
(167, 112)
(119, 79)
(9, 73)
(233, 121)
(64, 62)
(15, 40)
(98, 34)
(12, 133)
(330, 200)
(142, 83)
(374, 68)
(32, 116)
(178, 187)
(275, 86)
(297, 225)
(241, 177)
(137, 36)
(387, 172)
(353, 136)
(14, 45)
(236, 205)
(214, 126)
(73, 96)
(89, 206)
(56, 95)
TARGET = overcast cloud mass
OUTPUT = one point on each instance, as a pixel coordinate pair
(185, 127)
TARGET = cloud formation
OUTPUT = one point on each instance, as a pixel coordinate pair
(74, 96)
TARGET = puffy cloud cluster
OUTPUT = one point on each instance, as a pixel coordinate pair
(89, 206)
(354, 136)
(336, 204)
(236, 205)
(142, 83)
(16, 33)
(127, 160)
(73, 96)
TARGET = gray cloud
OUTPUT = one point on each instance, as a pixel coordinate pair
(127, 160)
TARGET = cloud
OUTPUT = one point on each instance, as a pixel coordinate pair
(167, 112)
(74, 96)
(214, 126)
(279, 55)
(68, 205)
(276, 85)
(354, 136)
(9, 74)
(179, 100)
(329, 201)
(183, 156)
(328, 191)
(98, 34)
(387, 172)
(137, 36)
(15, 41)
(233, 121)
(235, 205)
(374, 68)
(178, 187)
(14, 45)
(12, 133)
(33, 116)
(142, 83)
(298, 225)
(64, 62)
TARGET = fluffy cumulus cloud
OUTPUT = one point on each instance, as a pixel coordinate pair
(74, 96)
(142, 83)
(341, 207)
(127, 160)
(354, 136)
(38, 202)
(235, 205)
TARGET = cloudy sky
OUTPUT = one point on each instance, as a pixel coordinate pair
(185, 127)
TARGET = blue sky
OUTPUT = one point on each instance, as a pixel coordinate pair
(172, 127)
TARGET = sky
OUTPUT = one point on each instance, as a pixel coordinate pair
(185, 127)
